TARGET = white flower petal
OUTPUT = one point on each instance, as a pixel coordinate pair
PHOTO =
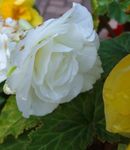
(93, 75)
(75, 89)
(87, 58)
(34, 106)
(3, 56)
(80, 16)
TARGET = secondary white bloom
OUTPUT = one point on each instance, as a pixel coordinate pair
(11, 32)
(56, 62)
(4, 56)
(12, 29)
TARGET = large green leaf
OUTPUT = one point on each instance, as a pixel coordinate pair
(69, 127)
(13, 144)
(73, 126)
(12, 122)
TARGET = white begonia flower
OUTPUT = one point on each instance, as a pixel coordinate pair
(4, 56)
(55, 62)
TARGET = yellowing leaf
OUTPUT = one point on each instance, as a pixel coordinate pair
(116, 95)
(12, 122)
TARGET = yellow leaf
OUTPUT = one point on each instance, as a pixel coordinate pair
(116, 95)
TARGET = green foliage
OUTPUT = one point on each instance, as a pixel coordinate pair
(73, 126)
(3, 97)
(13, 144)
(1, 87)
(102, 6)
(124, 4)
(2, 100)
(12, 122)
(122, 147)
(115, 9)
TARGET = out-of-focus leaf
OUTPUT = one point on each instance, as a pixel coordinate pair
(102, 6)
(116, 12)
(112, 8)
(122, 147)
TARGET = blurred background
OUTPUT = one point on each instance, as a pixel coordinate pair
(55, 8)
(106, 26)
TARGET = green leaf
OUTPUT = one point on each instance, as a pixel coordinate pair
(102, 6)
(116, 11)
(122, 147)
(113, 50)
(13, 144)
(73, 126)
(69, 127)
(125, 4)
(104, 135)
(12, 122)
(3, 97)
(1, 87)
(2, 100)
(113, 9)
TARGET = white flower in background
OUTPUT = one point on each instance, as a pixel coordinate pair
(11, 32)
(4, 56)
(12, 29)
(56, 62)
